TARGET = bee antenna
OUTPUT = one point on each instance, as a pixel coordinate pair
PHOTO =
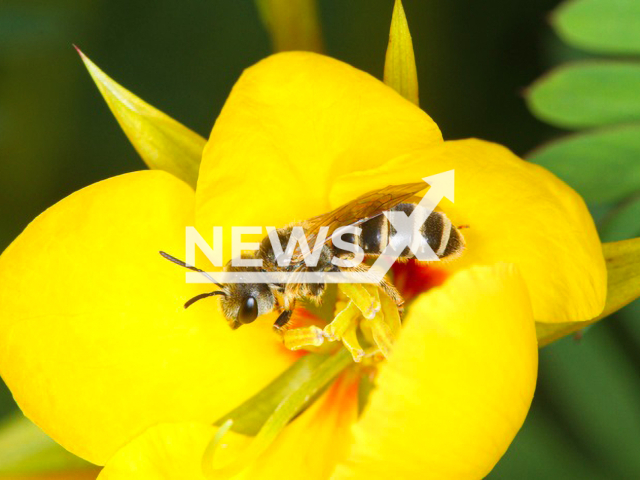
(195, 269)
(203, 295)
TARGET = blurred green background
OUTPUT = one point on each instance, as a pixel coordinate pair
(474, 61)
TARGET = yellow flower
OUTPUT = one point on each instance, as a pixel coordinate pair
(98, 351)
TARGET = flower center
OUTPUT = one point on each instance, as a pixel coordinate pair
(366, 318)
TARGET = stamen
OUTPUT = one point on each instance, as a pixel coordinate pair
(385, 324)
(367, 301)
(382, 319)
(341, 323)
(382, 335)
(350, 341)
(298, 338)
(381, 324)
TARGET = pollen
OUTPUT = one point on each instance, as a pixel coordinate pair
(364, 314)
(298, 338)
(367, 320)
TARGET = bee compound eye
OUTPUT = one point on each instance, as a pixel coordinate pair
(248, 311)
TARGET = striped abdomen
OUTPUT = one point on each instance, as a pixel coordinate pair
(443, 238)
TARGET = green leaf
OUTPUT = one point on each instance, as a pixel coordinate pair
(628, 324)
(249, 417)
(162, 142)
(623, 286)
(603, 166)
(292, 24)
(623, 222)
(588, 94)
(543, 438)
(607, 26)
(25, 449)
(400, 64)
(595, 388)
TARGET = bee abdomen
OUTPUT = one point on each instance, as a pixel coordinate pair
(443, 238)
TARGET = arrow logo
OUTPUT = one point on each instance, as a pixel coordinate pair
(408, 227)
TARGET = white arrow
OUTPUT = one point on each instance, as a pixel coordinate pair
(408, 227)
(442, 185)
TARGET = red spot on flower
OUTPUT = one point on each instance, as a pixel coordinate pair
(304, 318)
(412, 278)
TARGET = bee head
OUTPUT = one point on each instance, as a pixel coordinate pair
(244, 302)
(241, 303)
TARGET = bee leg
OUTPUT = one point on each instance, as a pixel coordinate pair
(392, 313)
(393, 293)
(282, 320)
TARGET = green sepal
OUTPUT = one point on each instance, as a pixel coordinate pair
(292, 24)
(623, 287)
(249, 417)
(400, 64)
(162, 142)
(288, 407)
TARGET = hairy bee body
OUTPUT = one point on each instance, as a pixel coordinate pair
(242, 303)
(375, 235)
(378, 232)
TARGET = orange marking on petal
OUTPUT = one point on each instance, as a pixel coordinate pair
(318, 440)
(412, 278)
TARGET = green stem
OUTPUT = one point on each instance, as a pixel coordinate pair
(279, 419)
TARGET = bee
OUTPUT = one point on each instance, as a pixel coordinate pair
(242, 303)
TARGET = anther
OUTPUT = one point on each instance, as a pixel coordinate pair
(347, 317)
(367, 301)
(385, 326)
(350, 341)
(382, 334)
(298, 338)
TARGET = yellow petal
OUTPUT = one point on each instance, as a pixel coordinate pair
(292, 123)
(623, 287)
(94, 341)
(317, 441)
(458, 386)
(90, 474)
(400, 63)
(308, 448)
(517, 212)
(162, 142)
(164, 452)
(292, 24)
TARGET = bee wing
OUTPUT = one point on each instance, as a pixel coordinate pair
(360, 210)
